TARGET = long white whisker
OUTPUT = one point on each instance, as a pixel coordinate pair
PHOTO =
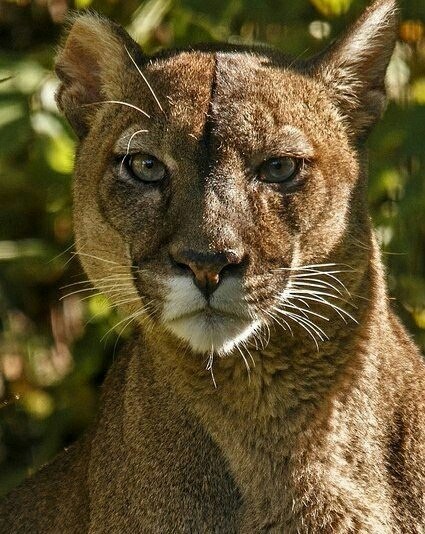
(325, 303)
(320, 284)
(127, 301)
(286, 303)
(268, 333)
(96, 258)
(320, 333)
(145, 80)
(257, 334)
(304, 293)
(129, 321)
(317, 330)
(323, 294)
(141, 311)
(244, 345)
(254, 340)
(118, 102)
(338, 309)
(129, 145)
(62, 253)
(111, 278)
(329, 274)
(314, 266)
(305, 303)
(248, 368)
(131, 317)
(209, 367)
(296, 319)
(278, 320)
(103, 288)
(312, 326)
(110, 295)
(114, 271)
(137, 299)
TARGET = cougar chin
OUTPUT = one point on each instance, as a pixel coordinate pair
(209, 331)
(217, 325)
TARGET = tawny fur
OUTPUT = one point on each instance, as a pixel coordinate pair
(326, 439)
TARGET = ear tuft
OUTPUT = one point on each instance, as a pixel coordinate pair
(89, 66)
(354, 66)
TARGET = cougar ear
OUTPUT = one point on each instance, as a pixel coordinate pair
(90, 67)
(354, 66)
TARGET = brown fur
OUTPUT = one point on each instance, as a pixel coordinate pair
(314, 440)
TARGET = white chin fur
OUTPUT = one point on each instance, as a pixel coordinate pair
(212, 333)
(219, 329)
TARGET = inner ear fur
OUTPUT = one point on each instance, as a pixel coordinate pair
(89, 66)
(354, 66)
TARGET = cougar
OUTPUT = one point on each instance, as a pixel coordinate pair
(220, 202)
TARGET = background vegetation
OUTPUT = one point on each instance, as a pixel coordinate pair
(53, 352)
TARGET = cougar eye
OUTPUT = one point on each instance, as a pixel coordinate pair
(145, 167)
(277, 170)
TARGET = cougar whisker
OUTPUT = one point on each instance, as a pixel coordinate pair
(103, 289)
(130, 318)
(105, 279)
(320, 285)
(287, 303)
(245, 346)
(341, 312)
(248, 368)
(209, 367)
(118, 102)
(278, 320)
(129, 145)
(299, 320)
(145, 80)
(321, 334)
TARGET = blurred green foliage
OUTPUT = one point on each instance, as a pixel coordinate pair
(53, 353)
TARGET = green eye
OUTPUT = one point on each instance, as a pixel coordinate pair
(278, 170)
(145, 167)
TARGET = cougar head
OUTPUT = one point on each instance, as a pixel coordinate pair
(214, 186)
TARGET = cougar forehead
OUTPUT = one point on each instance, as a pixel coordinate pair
(184, 83)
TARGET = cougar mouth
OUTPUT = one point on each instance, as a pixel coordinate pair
(216, 333)
(214, 326)
(208, 312)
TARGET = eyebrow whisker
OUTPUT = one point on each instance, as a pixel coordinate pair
(118, 102)
(145, 80)
(129, 145)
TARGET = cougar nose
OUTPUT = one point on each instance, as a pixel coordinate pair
(206, 267)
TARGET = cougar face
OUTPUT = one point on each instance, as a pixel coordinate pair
(218, 173)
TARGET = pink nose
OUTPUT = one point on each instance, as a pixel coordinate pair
(206, 267)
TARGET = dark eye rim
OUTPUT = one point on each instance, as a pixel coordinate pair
(123, 169)
(268, 161)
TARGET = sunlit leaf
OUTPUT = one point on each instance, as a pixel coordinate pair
(417, 91)
(10, 112)
(37, 403)
(28, 76)
(147, 17)
(60, 154)
(27, 248)
(419, 317)
(83, 4)
(99, 307)
(331, 8)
